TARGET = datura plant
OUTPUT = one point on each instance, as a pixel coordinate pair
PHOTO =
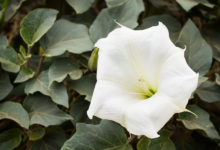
(141, 82)
(109, 75)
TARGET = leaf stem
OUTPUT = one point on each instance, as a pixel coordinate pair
(40, 65)
(28, 55)
(131, 138)
(94, 7)
(29, 50)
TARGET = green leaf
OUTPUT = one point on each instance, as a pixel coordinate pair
(36, 133)
(143, 143)
(66, 36)
(161, 143)
(217, 80)
(9, 59)
(85, 85)
(14, 5)
(209, 92)
(106, 135)
(113, 3)
(126, 14)
(53, 140)
(6, 86)
(201, 123)
(202, 79)
(86, 18)
(56, 91)
(188, 4)
(10, 139)
(80, 6)
(14, 111)
(36, 24)
(61, 68)
(24, 75)
(78, 111)
(171, 23)
(43, 111)
(198, 53)
(3, 41)
(17, 91)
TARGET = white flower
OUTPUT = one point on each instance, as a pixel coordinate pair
(142, 80)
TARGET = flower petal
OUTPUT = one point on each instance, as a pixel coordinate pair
(110, 100)
(114, 61)
(131, 61)
(147, 117)
(139, 53)
(140, 117)
(177, 80)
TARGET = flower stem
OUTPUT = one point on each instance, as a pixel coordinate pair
(131, 138)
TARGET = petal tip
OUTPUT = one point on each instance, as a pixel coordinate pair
(89, 114)
(153, 135)
(160, 24)
(162, 28)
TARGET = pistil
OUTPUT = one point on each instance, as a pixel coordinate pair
(145, 88)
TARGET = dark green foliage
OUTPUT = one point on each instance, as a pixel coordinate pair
(48, 73)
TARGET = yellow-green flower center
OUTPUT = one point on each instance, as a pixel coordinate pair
(144, 89)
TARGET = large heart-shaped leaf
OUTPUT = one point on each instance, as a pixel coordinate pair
(53, 140)
(80, 6)
(6, 86)
(161, 143)
(126, 14)
(43, 111)
(9, 59)
(198, 53)
(171, 23)
(14, 111)
(201, 123)
(56, 91)
(63, 67)
(78, 111)
(73, 38)
(24, 75)
(113, 3)
(209, 92)
(84, 86)
(188, 4)
(36, 24)
(106, 135)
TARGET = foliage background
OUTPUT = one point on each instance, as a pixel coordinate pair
(47, 75)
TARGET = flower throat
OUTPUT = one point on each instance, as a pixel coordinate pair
(144, 88)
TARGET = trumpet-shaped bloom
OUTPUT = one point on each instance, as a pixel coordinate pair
(142, 79)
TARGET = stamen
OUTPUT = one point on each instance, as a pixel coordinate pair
(145, 88)
(152, 91)
(141, 79)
